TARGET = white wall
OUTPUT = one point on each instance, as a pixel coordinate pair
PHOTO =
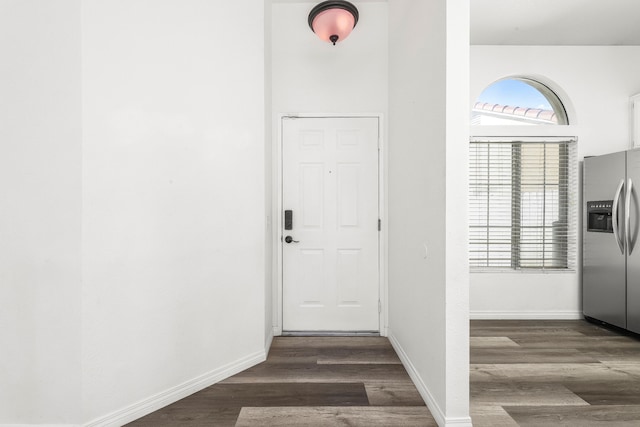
(40, 212)
(270, 234)
(428, 295)
(173, 197)
(595, 83)
(312, 76)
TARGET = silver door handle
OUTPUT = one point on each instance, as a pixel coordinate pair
(614, 216)
(627, 215)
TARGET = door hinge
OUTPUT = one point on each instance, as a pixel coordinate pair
(379, 224)
(379, 307)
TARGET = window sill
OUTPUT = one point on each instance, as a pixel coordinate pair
(522, 271)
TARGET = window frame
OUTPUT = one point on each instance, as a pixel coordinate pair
(553, 98)
(558, 106)
(509, 133)
(572, 217)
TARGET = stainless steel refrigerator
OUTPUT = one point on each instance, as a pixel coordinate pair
(611, 256)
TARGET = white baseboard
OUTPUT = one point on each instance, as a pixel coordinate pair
(525, 315)
(39, 425)
(458, 422)
(267, 344)
(433, 406)
(167, 397)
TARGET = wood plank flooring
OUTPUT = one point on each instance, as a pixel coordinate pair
(553, 373)
(308, 381)
(523, 373)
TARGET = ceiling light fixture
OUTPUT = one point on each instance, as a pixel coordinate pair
(333, 21)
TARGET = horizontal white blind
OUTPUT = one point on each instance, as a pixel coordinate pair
(523, 204)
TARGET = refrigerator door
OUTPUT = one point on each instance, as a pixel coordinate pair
(603, 267)
(633, 253)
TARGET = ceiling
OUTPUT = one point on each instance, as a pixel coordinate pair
(555, 22)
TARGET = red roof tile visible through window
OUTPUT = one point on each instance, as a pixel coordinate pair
(536, 114)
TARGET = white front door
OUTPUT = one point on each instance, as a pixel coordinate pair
(330, 257)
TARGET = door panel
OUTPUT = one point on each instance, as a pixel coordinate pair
(311, 191)
(348, 277)
(330, 182)
(603, 273)
(348, 195)
(633, 257)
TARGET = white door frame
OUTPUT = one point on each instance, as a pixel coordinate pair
(277, 225)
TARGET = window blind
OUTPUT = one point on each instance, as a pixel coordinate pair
(523, 204)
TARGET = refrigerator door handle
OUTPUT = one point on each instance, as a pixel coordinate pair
(614, 216)
(627, 215)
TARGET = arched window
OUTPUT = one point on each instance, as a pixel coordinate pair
(518, 101)
(522, 198)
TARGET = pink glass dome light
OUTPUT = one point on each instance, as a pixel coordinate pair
(333, 21)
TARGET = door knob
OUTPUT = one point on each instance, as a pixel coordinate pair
(289, 239)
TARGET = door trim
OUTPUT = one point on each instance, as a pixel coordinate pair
(276, 214)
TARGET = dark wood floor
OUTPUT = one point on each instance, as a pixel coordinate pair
(553, 373)
(523, 373)
(308, 381)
